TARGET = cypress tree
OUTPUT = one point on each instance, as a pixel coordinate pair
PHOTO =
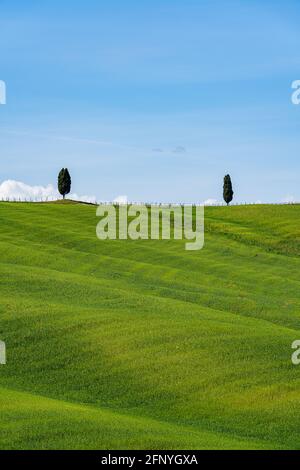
(227, 190)
(64, 182)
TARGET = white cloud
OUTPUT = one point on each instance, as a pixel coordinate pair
(75, 197)
(18, 190)
(211, 202)
(289, 199)
(121, 200)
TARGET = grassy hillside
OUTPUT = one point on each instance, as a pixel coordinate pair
(141, 344)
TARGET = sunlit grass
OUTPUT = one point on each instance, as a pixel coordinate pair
(141, 344)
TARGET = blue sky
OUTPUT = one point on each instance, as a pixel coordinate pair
(155, 100)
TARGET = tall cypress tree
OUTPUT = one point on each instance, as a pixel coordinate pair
(227, 190)
(64, 182)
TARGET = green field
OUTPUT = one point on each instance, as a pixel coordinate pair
(141, 344)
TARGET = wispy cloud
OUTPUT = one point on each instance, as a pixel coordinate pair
(179, 149)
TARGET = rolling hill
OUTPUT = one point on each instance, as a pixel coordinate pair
(141, 344)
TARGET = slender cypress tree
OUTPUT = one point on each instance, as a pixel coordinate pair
(64, 182)
(227, 190)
